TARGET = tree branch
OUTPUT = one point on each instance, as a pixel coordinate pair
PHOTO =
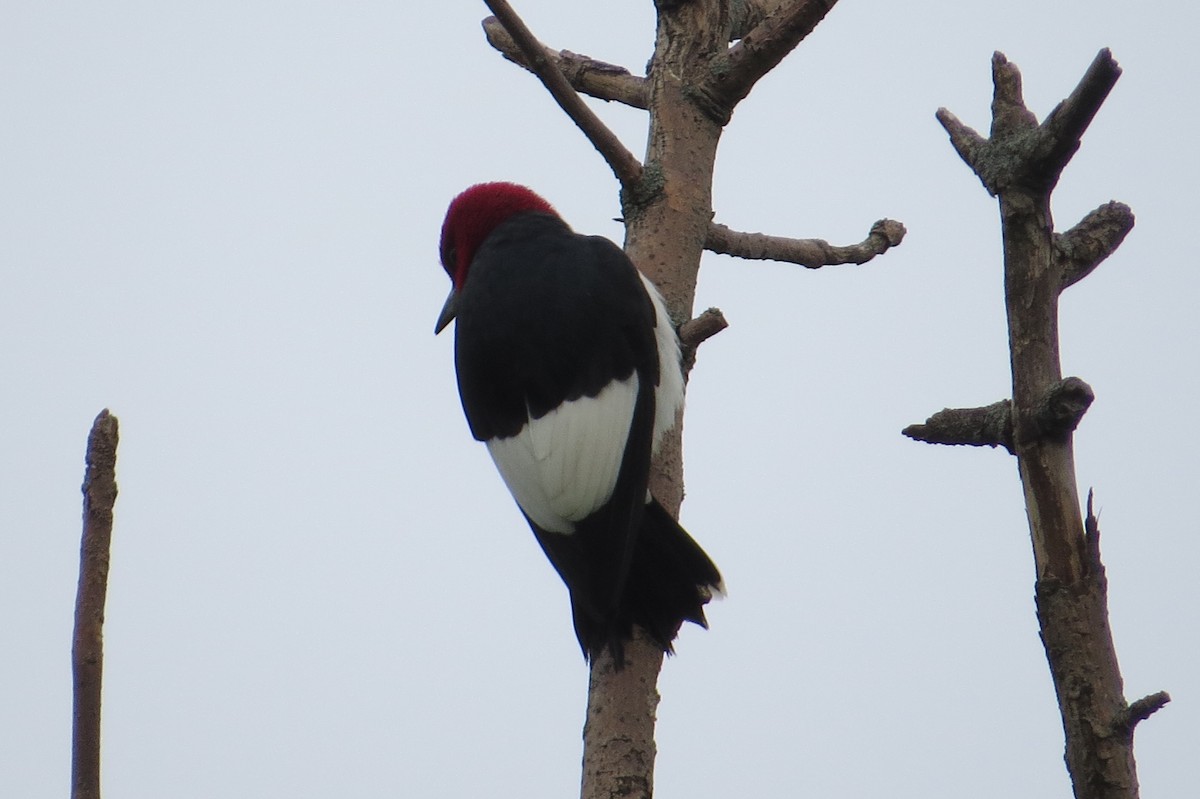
(1144, 708)
(1010, 116)
(967, 142)
(734, 73)
(1057, 414)
(989, 426)
(1063, 128)
(810, 253)
(598, 79)
(623, 163)
(1097, 236)
(1021, 153)
(87, 649)
(694, 332)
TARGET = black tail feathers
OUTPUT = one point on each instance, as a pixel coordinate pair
(669, 581)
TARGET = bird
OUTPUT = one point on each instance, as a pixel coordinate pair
(569, 371)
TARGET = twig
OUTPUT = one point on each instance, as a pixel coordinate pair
(595, 78)
(623, 163)
(810, 253)
(87, 650)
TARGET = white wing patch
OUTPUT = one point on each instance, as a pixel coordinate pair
(668, 396)
(563, 467)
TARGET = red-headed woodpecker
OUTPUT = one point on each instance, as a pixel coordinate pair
(569, 370)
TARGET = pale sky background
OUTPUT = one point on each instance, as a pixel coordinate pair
(220, 220)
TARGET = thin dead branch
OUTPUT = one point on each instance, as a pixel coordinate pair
(623, 163)
(810, 253)
(595, 78)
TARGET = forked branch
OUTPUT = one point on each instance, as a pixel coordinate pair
(734, 73)
(1021, 153)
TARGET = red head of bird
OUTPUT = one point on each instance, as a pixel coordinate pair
(471, 217)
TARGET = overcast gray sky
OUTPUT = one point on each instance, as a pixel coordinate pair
(221, 221)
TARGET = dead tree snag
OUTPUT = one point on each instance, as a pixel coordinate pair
(1020, 164)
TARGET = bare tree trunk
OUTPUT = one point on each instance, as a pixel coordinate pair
(87, 650)
(694, 82)
(1021, 163)
(666, 224)
(619, 748)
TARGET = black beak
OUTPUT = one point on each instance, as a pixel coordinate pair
(449, 311)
